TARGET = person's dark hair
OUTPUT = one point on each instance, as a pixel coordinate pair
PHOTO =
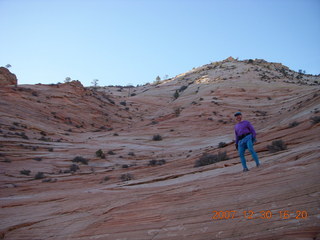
(237, 114)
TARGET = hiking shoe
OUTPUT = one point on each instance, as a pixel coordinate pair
(258, 165)
(245, 170)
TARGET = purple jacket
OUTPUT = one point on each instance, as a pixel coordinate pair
(242, 128)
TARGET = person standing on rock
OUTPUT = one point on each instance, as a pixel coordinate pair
(245, 138)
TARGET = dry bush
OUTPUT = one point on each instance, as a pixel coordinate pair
(207, 159)
(277, 146)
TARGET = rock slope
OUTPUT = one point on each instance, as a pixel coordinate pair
(84, 163)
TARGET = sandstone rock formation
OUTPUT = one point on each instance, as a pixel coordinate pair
(7, 78)
(125, 185)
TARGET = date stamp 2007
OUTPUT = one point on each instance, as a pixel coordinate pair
(266, 214)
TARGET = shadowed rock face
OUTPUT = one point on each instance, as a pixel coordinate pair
(7, 78)
(138, 188)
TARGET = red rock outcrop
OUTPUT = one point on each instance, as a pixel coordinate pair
(124, 185)
(7, 78)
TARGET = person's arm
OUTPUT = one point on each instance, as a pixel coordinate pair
(252, 131)
(237, 138)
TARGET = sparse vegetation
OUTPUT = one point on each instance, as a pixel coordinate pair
(82, 160)
(49, 180)
(25, 172)
(157, 81)
(177, 111)
(22, 134)
(126, 177)
(157, 162)
(106, 178)
(131, 154)
(315, 119)
(260, 113)
(39, 175)
(222, 145)
(45, 139)
(100, 154)
(73, 168)
(176, 94)
(293, 124)
(95, 83)
(207, 159)
(157, 137)
(182, 88)
(111, 152)
(277, 146)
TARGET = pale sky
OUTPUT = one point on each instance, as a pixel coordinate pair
(121, 42)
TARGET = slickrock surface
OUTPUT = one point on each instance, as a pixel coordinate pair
(7, 78)
(119, 194)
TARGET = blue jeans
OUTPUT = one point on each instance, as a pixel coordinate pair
(243, 145)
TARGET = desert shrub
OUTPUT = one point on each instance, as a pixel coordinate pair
(131, 154)
(73, 168)
(100, 154)
(45, 139)
(110, 100)
(315, 119)
(260, 113)
(126, 177)
(22, 134)
(156, 162)
(111, 152)
(176, 94)
(25, 172)
(49, 180)
(207, 159)
(106, 178)
(222, 145)
(183, 88)
(177, 111)
(157, 137)
(39, 175)
(80, 160)
(293, 124)
(124, 103)
(277, 146)
(125, 166)
(37, 159)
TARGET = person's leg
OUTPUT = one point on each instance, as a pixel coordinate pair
(252, 151)
(241, 150)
